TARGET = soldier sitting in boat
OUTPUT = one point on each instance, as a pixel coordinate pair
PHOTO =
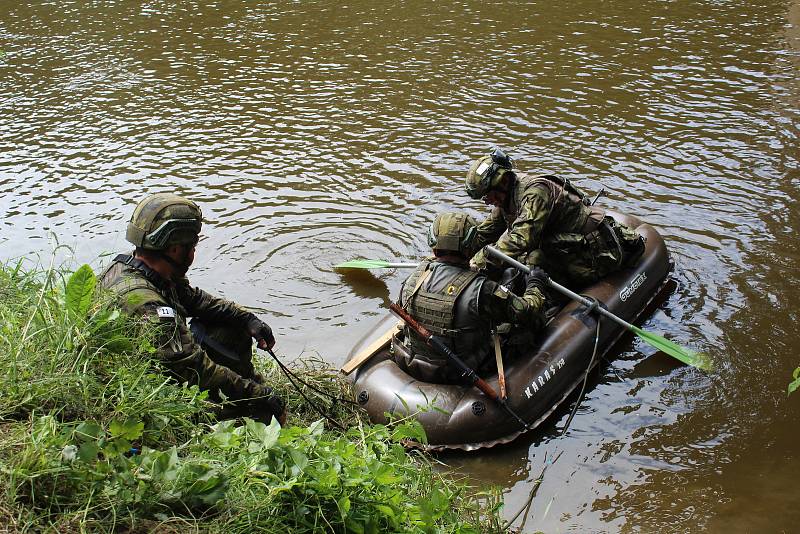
(460, 305)
(216, 353)
(547, 222)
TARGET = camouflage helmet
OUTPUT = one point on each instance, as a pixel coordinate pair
(452, 231)
(486, 173)
(162, 220)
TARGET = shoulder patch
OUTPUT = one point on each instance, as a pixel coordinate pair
(501, 292)
(165, 311)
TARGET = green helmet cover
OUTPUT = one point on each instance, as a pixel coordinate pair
(452, 231)
(486, 173)
(162, 220)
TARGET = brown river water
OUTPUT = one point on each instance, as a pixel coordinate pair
(316, 132)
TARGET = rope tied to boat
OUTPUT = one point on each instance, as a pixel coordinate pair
(334, 398)
(585, 375)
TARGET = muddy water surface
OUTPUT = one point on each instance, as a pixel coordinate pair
(315, 132)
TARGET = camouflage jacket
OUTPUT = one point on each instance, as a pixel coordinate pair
(166, 305)
(537, 210)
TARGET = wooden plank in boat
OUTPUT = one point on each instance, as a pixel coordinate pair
(370, 350)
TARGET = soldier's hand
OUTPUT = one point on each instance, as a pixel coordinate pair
(282, 417)
(537, 278)
(478, 261)
(261, 332)
(274, 404)
(278, 408)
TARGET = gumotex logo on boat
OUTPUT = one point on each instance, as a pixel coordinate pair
(628, 290)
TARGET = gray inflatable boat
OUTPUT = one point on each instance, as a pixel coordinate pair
(464, 417)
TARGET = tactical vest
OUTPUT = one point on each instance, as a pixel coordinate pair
(447, 305)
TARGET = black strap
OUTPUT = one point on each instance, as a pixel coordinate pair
(177, 266)
(565, 184)
(230, 359)
(151, 275)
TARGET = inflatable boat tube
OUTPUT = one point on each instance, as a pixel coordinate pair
(464, 417)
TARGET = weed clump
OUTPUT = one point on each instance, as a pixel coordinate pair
(94, 437)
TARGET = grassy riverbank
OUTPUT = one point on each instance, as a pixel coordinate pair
(93, 437)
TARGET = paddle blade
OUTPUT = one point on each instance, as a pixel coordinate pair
(373, 264)
(687, 356)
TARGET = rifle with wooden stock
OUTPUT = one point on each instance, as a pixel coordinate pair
(468, 374)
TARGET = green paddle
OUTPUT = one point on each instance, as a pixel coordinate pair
(689, 357)
(373, 264)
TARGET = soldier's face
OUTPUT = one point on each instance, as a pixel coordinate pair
(183, 255)
(190, 255)
(495, 198)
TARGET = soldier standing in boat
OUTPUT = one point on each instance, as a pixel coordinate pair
(462, 306)
(546, 221)
(216, 352)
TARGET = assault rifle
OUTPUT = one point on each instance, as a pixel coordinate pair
(470, 375)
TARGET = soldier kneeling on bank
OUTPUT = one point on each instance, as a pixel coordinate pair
(462, 306)
(216, 352)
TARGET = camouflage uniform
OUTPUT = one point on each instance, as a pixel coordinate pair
(463, 307)
(549, 223)
(166, 305)
(167, 227)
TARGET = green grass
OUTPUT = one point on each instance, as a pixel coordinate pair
(93, 437)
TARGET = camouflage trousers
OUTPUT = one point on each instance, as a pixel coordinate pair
(577, 260)
(232, 346)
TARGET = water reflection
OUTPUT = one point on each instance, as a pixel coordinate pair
(366, 285)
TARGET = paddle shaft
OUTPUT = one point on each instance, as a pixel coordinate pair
(561, 289)
(689, 357)
(437, 345)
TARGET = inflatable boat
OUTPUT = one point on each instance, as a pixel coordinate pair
(462, 417)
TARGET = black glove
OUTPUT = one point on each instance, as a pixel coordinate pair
(277, 406)
(261, 331)
(537, 278)
(492, 271)
(269, 404)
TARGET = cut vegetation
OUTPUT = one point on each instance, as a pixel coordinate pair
(95, 438)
